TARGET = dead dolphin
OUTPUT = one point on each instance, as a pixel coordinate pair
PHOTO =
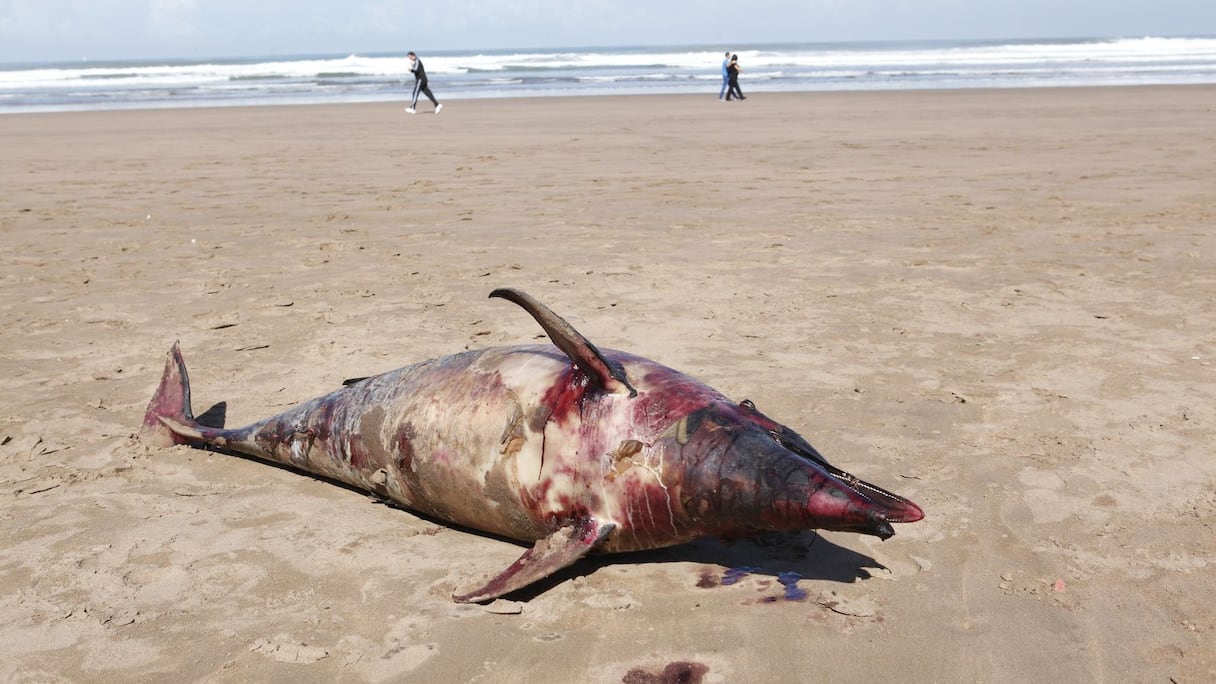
(569, 447)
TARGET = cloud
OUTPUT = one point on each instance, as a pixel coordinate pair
(173, 17)
(35, 30)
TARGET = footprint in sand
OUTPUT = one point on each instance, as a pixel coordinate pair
(285, 649)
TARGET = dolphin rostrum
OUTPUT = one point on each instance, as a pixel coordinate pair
(570, 448)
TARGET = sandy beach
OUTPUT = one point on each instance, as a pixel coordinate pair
(1000, 304)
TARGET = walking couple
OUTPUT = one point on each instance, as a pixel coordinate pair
(730, 78)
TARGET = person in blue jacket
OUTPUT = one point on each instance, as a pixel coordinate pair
(725, 75)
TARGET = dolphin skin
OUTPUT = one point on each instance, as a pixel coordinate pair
(567, 447)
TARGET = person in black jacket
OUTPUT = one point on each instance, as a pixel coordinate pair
(420, 87)
(733, 79)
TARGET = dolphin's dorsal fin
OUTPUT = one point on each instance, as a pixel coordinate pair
(608, 376)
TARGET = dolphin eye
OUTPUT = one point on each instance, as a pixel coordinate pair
(747, 405)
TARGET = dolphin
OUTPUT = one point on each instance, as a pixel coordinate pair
(566, 447)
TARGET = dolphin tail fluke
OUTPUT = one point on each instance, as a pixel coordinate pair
(559, 550)
(170, 406)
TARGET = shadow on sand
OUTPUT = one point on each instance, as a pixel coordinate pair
(801, 555)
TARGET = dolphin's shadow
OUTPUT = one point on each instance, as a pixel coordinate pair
(806, 554)
(215, 416)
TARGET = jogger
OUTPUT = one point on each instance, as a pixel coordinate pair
(420, 86)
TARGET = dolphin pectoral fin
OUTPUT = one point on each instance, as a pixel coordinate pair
(605, 374)
(559, 550)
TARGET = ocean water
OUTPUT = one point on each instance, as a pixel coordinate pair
(89, 85)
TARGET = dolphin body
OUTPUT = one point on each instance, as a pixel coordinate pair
(568, 447)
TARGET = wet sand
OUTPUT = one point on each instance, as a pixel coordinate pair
(1000, 304)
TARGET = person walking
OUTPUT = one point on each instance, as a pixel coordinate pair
(725, 75)
(420, 86)
(733, 79)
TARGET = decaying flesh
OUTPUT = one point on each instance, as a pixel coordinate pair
(569, 447)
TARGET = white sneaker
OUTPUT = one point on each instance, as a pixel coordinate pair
(409, 110)
(438, 108)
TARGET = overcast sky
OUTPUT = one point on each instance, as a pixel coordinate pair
(49, 30)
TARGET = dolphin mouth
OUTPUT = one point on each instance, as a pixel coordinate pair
(895, 508)
(890, 507)
(859, 518)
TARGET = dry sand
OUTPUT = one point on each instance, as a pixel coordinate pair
(1001, 304)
